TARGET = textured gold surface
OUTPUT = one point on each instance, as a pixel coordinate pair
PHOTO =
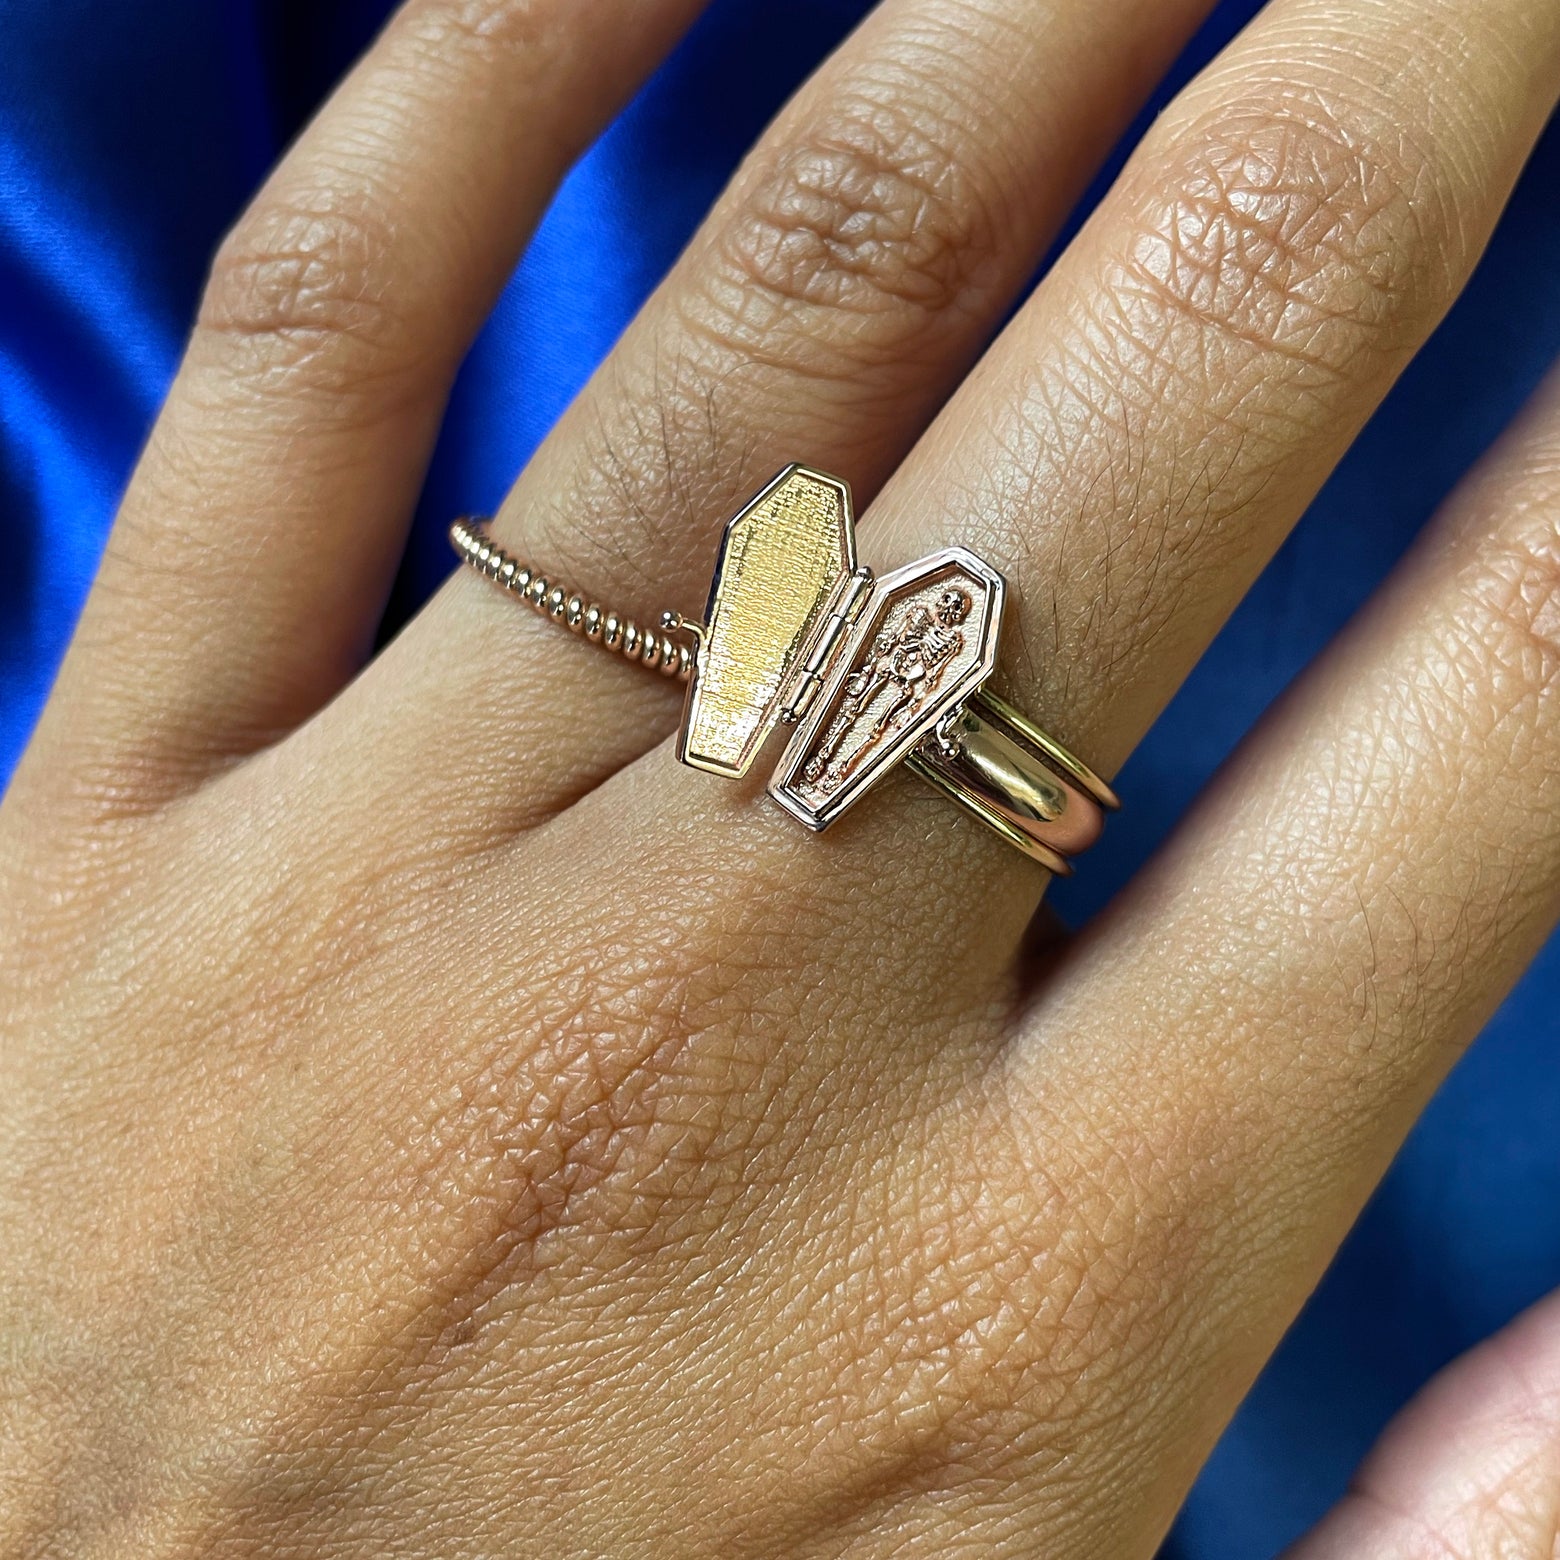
(781, 562)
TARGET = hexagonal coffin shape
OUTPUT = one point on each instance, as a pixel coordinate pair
(926, 641)
(783, 561)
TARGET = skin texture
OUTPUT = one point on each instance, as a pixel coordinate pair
(434, 1124)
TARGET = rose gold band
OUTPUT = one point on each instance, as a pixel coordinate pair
(613, 631)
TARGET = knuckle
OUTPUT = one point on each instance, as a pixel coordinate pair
(1278, 227)
(621, 1117)
(1514, 596)
(869, 211)
(437, 45)
(299, 288)
(523, 27)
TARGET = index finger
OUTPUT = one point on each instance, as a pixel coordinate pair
(246, 575)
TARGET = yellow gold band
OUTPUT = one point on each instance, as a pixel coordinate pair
(1022, 784)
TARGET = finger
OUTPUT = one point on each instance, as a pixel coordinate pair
(841, 287)
(1471, 1467)
(1244, 1039)
(248, 569)
(1152, 425)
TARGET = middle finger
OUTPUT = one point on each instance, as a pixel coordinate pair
(839, 290)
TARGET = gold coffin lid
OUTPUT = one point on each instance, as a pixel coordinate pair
(782, 562)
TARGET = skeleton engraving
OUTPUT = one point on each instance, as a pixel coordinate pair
(893, 680)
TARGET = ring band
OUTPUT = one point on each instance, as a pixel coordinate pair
(1022, 784)
(868, 672)
(613, 631)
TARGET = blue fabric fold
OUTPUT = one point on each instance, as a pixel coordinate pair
(132, 135)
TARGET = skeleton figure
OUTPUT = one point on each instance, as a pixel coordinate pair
(907, 664)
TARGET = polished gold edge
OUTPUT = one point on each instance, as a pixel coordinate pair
(1052, 750)
(1053, 861)
(613, 631)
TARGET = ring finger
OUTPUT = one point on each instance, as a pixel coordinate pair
(250, 560)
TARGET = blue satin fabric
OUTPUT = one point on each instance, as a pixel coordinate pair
(130, 135)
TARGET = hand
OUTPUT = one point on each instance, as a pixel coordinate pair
(434, 1123)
